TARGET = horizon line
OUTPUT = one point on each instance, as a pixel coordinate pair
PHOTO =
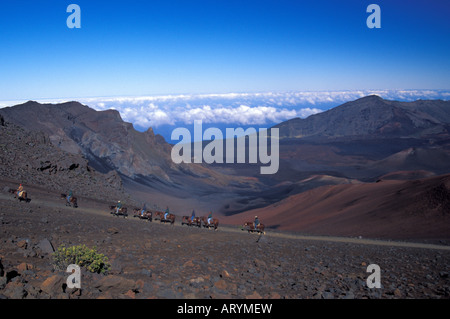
(216, 94)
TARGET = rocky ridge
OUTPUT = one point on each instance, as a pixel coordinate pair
(371, 117)
(29, 157)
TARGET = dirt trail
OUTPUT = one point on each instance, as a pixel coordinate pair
(88, 206)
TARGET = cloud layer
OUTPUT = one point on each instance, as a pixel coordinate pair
(234, 108)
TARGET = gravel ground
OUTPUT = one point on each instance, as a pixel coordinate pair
(154, 260)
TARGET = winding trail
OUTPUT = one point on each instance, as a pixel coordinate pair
(91, 209)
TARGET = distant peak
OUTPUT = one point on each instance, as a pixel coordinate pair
(31, 102)
(150, 131)
(367, 100)
(372, 97)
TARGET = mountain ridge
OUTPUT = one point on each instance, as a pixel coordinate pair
(111, 144)
(383, 137)
(373, 116)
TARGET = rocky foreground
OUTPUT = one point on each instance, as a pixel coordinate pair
(154, 260)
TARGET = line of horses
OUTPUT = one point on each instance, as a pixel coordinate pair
(154, 215)
(23, 196)
(151, 215)
(200, 221)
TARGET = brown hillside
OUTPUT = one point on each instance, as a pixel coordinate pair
(391, 209)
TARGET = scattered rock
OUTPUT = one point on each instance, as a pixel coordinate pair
(14, 290)
(221, 284)
(115, 283)
(274, 295)
(254, 295)
(189, 263)
(146, 272)
(131, 294)
(11, 274)
(3, 282)
(46, 246)
(166, 293)
(54, 285)
(152, 260)
(22, 244)
(443, 274)
(24, 266)
(112, 230)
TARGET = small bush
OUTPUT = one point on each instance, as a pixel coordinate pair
(81, 256)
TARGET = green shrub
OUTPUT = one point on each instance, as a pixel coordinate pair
(81, 256)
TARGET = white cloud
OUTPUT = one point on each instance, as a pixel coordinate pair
(234, 108)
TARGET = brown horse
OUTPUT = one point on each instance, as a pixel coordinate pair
(170, 218)
(137, 212)
(23, 195)
(158, 215)
(250, 227)
(214, 222)
(122, 211)
(186, 220)
(73, 200)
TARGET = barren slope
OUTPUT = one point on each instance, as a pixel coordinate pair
(416, 209)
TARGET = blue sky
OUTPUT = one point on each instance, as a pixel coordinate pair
(131, 48)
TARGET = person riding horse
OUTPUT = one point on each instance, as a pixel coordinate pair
(166, 212)
(144, 208)
(256, 222)
(69, 196)
(118, 207)
(19, 191)
(209, 218)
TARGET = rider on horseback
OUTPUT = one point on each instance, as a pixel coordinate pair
(166, 212)
(20, 191)
(118, 207)
(144, 208)
(69, 196)
(256, 222)
(209, 218)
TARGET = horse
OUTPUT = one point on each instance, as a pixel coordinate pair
(22, 197)
(122, 211)
(250, 227)
(186, 220)
(146, 215)
(73, 200)
(170, 219)
(214, 222)
(159, 215)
